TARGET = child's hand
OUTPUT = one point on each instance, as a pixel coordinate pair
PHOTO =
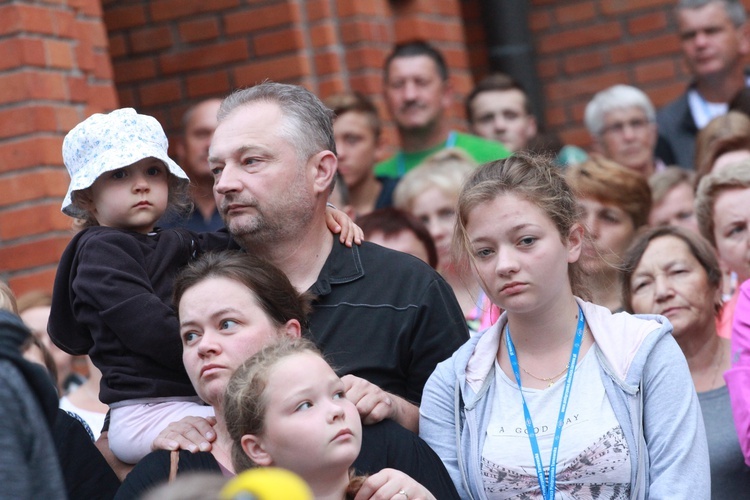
(191, 433)
(338, 222)
(394, 485)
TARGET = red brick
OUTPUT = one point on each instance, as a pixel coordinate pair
(64, 24)
(92, 32)
(124, 16)
(664, 93)
(277, 69)
(555, 116)
(30, 152)
(16, 122)
(102, 98)
(471, 10)
(348, 8)
(199, 30)
(586, 86)
(160, 92)
(32, 254)
(548, 67)
(356, 31)
(414, 28)
(66, 117)
(126, 98)
(323, 35)
(150, 39)
(277, 42)
(103, 66)
(204, 57)
(656, 21)
(578, 63)
(654, 71)
(39, 183)
(214, 83)
(613, 7)
(421, 7)
(643, 49)
(16, 18)
(117, 46)
(364, 57)
(255, 19)
(59, 54)
(162, 10)
(329, 87)
(577, 136)
(133, 70)
(84, 55)
(368, 84)
(318, 9)
(31, 220)
(31, 85)
(557, 42)
(581, 11)
(328, 63)
(38, 279)
(540, 20)
(77, 89)
(91, 8)
(16, 52)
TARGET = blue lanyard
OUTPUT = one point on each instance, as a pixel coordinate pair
(401, 158)
(548, 491)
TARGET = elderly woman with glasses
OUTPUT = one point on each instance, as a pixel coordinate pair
(621, 121)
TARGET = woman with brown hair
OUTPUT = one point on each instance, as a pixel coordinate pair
(615, 202)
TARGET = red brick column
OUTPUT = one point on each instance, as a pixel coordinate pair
(54, 71)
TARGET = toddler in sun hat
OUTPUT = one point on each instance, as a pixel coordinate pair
(113, 288)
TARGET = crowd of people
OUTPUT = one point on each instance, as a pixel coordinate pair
(516, 317)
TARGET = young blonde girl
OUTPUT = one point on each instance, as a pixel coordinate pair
(560, 398)
(112, 292)
(286, 407)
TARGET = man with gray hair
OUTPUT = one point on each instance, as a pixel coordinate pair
(714, 41)
(383, 318)
(621, 120)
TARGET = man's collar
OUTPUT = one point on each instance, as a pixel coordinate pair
(343, 265)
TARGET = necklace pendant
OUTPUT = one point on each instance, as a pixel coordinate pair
(551, 384)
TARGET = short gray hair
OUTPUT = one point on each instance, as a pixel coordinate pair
(615, 97)
(308, 123)
(734, 8)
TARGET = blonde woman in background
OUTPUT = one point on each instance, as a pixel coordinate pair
(430, 193)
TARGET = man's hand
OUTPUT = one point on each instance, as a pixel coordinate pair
(191, 433)
(374, 404)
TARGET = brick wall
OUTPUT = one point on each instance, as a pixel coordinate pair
(54, 71)
(168, 54)
(582, 47)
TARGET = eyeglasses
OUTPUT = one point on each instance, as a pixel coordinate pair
(618, 128)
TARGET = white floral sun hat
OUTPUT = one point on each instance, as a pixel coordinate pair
(105, 142)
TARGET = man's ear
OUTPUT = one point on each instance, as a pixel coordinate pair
(744, 33)
(180, 151)
(324, 165)
(253, 448)
(447, 99)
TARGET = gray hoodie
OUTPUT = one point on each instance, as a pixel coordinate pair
(646, 379)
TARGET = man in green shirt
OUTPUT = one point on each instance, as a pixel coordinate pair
(418, 94)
